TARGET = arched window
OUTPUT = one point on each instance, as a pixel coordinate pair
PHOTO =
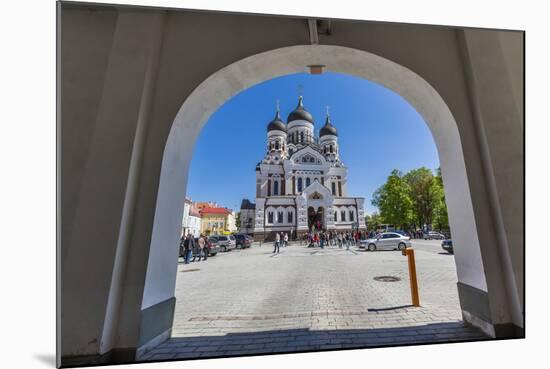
(302, 137)
(333, 188)
(276, 145)
(300, 184)
(279, 217)
(289, 217)
(351, 216)
(331, 149)
(336, 215)
(276, 188)
(343, 215)
(270, 217)
(308, 182)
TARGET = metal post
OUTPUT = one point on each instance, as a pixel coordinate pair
(412, 276)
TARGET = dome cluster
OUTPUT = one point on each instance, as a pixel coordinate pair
(300, 113)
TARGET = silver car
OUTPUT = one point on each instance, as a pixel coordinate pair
(386, 241)
(225, 243)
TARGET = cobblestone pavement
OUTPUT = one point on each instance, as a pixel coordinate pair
(253, 301)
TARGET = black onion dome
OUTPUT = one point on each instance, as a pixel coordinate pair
(276, 124)
(328, 129)
(300, 113)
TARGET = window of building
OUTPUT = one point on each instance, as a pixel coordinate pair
(270, 217)
(300, 184)
(289, 217)
(351, 216)
(333, 188)
(301, 137)
(308, 181)
(343, 216)
(279, 217)
(275, 188)
(276, 145)
(335, 215)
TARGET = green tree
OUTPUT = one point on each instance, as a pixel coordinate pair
(394, 201)
(238, 220)
(441, 217)
(373, 221)
(425, 194)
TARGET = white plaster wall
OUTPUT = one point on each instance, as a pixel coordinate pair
(227, 82)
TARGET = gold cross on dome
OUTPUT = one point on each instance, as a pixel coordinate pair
(328, 113)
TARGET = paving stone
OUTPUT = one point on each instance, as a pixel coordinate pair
(304, 300)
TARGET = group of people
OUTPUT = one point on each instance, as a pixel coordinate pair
(194, 248)
(281, 239)
(334, 238)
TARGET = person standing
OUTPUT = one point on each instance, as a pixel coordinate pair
(193, 247)
(285, 239)
(189, 246)
(186, 250)
(277, 241)
(204, 247)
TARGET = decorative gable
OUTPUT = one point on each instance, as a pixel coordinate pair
(308, 159)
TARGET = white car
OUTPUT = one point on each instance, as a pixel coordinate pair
(386, 241)
(434, 236)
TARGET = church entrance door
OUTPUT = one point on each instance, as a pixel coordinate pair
(315, 219)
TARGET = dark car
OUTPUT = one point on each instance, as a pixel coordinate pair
(243, 241)
(447, 245)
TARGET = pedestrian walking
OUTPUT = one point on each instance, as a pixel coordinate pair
(285, 239)
(277, 241)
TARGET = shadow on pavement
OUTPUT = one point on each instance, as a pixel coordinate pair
(306, 340)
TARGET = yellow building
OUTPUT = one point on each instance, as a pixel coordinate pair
(215, 220)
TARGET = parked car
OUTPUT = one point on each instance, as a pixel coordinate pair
(386, 241)
(225, 243)
(213, 248)
(242, 240)
(447, 245)
(434, 236)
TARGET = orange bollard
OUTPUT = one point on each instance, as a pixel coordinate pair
(412, 276)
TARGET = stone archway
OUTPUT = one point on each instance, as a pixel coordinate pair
(227, 82)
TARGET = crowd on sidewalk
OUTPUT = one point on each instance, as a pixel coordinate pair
(194, 248)
(333, 238)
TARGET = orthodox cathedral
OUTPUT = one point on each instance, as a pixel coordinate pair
(301, 181)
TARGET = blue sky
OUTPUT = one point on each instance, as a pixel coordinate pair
(378, 131)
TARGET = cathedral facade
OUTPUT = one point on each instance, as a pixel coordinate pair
(301, 183)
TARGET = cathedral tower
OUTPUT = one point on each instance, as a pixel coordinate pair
(300, 126)
(328, 141)
(276, 140)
